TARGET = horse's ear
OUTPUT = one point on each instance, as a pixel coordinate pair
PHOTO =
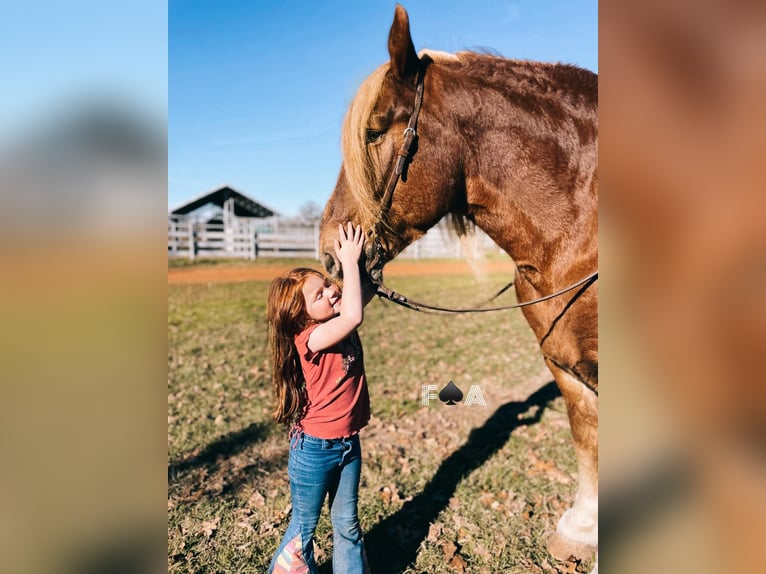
(404, 59)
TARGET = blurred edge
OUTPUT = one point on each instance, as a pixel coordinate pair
(83, 191)
(683, 318)
(683, 255)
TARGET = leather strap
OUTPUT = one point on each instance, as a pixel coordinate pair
(410, 137)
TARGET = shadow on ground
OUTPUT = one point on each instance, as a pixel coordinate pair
(224, 447)
(393, 543)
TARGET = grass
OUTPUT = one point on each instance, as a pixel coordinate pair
(444, 489)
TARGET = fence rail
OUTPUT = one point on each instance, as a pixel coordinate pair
(251, 239)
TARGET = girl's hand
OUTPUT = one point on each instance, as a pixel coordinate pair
(348, 249)
(349, 245)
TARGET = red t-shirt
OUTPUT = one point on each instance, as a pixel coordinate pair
(336, 387)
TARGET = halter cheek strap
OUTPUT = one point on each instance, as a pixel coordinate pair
(410, 138)
(403, 157)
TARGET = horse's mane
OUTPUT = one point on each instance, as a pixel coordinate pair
(532, 76)
(359, 171)
(362, 163)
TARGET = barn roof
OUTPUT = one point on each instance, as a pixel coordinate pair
(243, 205)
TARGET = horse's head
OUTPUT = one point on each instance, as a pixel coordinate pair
(373, 133)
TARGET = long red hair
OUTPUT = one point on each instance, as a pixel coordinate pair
(286, 316)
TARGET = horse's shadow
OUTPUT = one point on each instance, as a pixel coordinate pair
(392, 544)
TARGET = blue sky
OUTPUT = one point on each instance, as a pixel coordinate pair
(57, 55)
(257, 91)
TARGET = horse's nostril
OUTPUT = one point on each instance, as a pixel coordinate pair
(329, 263)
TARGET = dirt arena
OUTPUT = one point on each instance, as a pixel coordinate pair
(261, 272)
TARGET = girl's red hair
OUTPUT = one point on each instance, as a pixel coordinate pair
(286, 316)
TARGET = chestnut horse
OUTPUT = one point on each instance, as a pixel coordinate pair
(512, 147)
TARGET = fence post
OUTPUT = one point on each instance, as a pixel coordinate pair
(251, 234)
(172, 238)
(192, 246)
(316, 240)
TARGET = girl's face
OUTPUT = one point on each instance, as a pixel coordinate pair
(322, 298)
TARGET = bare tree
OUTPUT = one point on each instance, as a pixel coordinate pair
(310, 212)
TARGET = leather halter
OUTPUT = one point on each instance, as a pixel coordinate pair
(374, 267)
(404, 156)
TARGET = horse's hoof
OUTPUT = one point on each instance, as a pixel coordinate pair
(561, 548)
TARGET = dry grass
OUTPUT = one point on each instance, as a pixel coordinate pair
(444, 488)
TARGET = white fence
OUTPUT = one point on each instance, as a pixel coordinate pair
(441, 242)
(253, 238)
(243, 238)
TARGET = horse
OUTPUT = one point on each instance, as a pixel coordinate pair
(511, 147)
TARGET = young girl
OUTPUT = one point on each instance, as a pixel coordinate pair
(321, 391)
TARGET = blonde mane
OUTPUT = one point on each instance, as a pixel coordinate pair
(363, 165)
(360, 165)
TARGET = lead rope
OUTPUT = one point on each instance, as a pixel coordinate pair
(386, 293)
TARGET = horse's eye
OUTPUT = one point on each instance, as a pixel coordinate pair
(371, 136)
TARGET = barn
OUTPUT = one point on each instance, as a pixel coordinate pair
(220, 223)
(227, 223)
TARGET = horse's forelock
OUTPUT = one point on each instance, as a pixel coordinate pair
(361, 167)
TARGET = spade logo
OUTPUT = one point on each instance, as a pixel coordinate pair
(450, 394)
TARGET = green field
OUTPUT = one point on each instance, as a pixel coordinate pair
(444, 488)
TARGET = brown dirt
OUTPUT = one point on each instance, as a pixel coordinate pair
(259, 272)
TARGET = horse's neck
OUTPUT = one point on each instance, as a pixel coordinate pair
(542, 224)
(530, 164)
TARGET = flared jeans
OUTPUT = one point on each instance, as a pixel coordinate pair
(317, 468)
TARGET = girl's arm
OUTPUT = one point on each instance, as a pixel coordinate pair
(348, 248)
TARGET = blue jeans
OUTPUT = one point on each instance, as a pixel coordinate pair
(318, 467)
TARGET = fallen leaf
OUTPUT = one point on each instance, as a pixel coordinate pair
(458, 563)
(434, 531)
(210, 526)
(449, 549)
(319, 554)
(528, 511)
(246, 525)
(548, 468)
(487, 498)
(388, 494)
(267, 527)
(499, 546)
(256, 500)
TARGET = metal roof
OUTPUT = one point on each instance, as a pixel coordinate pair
(243, 205)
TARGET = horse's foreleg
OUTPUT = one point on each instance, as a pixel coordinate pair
(577, 531)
